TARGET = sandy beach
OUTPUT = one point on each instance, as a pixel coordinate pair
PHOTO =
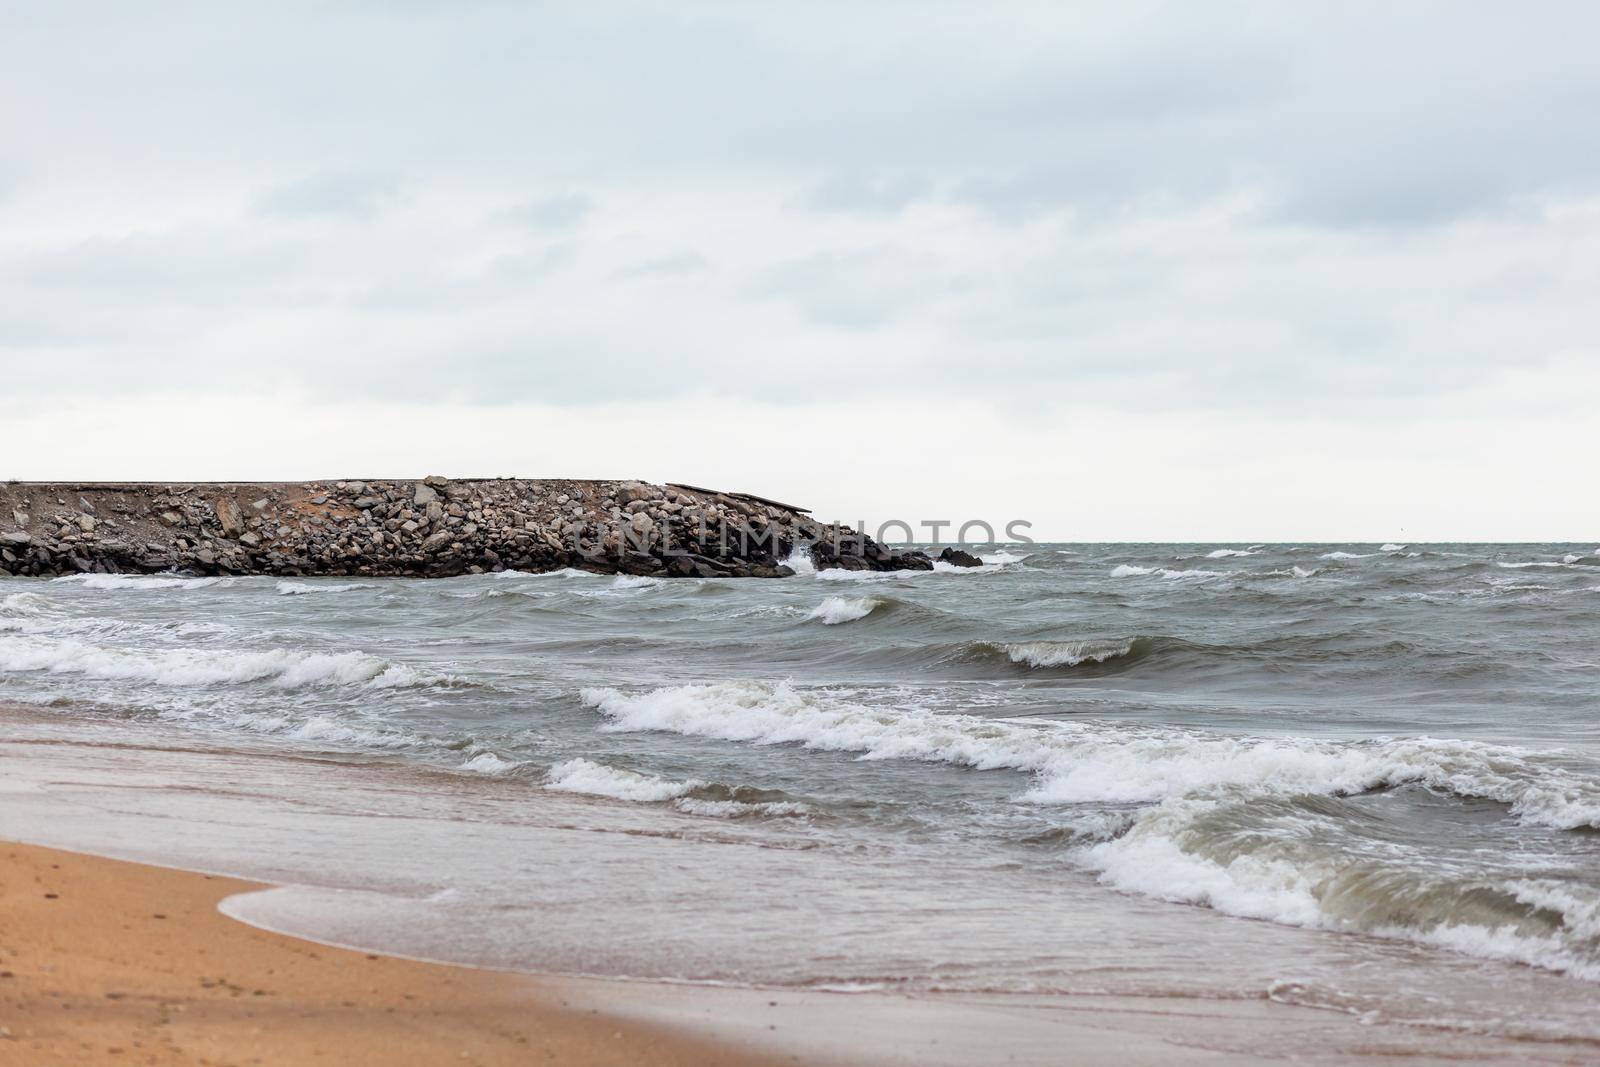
(105, 962)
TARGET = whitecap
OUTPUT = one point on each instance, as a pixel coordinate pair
(799, 560)
(489, 763)
(836, 610)
(303, 588)
(138, 582)
(598, 779)
(1078, 762)
(1129, 570)
(282, 668)
(1044, 654)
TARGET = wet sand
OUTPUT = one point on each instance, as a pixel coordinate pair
(105, 962)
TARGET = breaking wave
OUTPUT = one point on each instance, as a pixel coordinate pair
(281, 668)
(304, 588)
(836, 610)
(139, 582)
(1188, 843)
(1047, 654)
(691, 796)
(1130, 570)
(1077, 762)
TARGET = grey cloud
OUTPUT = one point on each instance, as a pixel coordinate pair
(554, 212)
(673, 266)
(857, 192)
(858, 289)
(350, 194)
(1348, 115)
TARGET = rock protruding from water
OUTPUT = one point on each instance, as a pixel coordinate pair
(434, 527)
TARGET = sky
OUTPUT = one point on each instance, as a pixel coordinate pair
(1131, 271)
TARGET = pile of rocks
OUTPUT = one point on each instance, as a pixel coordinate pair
(435, 527)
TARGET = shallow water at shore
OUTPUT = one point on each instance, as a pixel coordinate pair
(1080, 769)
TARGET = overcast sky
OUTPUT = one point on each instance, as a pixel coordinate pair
(1127, 271)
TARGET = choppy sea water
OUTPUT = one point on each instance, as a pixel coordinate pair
(1353, 776)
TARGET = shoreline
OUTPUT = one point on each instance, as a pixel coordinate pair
(108, 961)
(748, 1023)
(112, 961)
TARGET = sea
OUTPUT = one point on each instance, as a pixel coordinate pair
(1363, 778)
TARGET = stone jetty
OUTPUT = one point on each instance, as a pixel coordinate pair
(432, 527)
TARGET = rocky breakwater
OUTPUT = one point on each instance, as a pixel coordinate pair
(436, 527)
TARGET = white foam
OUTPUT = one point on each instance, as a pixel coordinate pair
(1064, 653)
(1276, 882)
(282, 668)
(1130, 570)
(1303, 572)
(1347, 555)
(733, 809)
(138, 582)
(836, 610)
(1392, 547)
(634, 581)
(22, 604)
(597, 779)
(303, 588)
(1530, 563)
(839, 574)
(799, 559)
(563, 572)
(489, 763)
(1224, 553)
(1076, 762)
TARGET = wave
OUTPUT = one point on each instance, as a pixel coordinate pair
(139, 582)
(1078, 762)
(1047, 654)
(691, 796)
(491, 764)
(304, 588)
(1347, 555)
(1252, 826)
(598, 780)
(282, 668)
(1282, 870)
(1392, 547)
(1130, 570)
(799, 560)
(634, 581)
(1225, 553)
(836, 610)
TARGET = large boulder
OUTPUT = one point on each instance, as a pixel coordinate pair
(229, 517)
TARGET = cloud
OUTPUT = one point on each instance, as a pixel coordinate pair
(555, 212)
(1328, 217)
(351, 195)
(856, 192)
(678, 265)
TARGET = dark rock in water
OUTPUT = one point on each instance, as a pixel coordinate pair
(405, 528)
(957, 558)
